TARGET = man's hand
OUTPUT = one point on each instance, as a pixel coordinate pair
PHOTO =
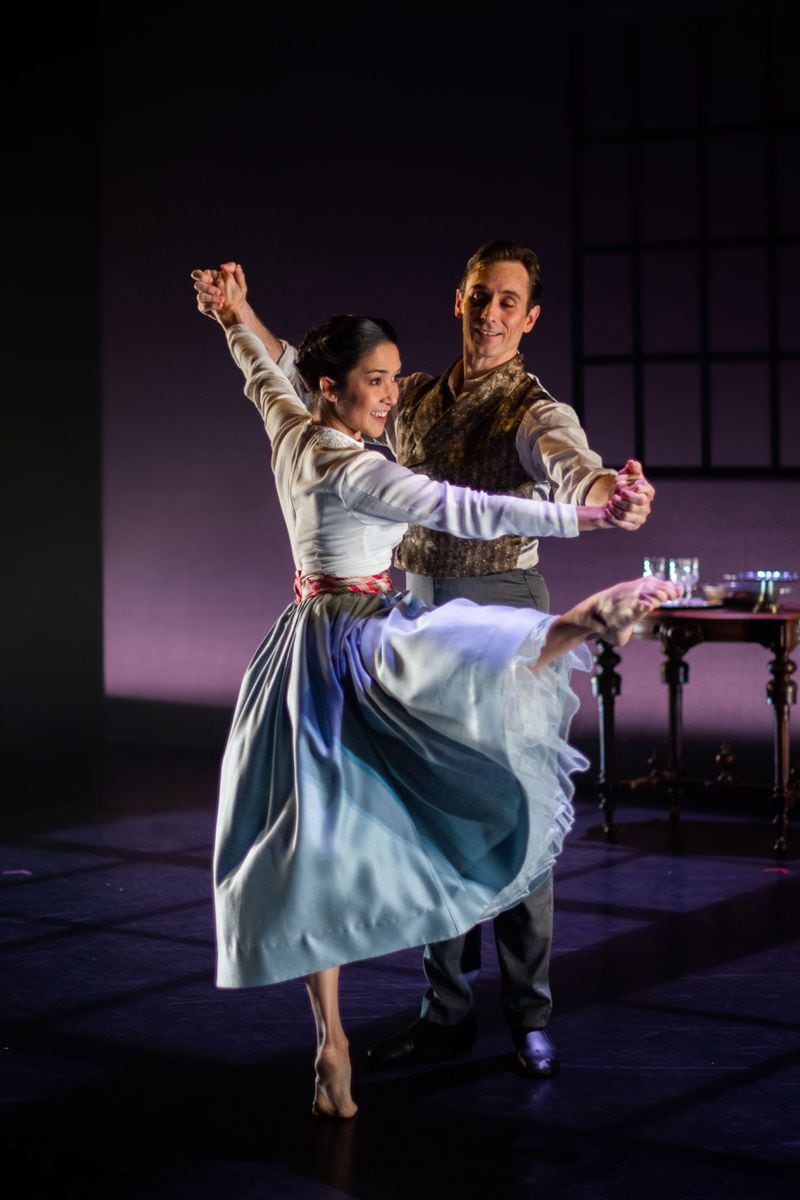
(630, 498)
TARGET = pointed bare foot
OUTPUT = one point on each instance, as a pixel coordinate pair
(332, 1085)
(612, 613)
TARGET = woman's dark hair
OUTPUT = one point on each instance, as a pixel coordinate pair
(335, 346)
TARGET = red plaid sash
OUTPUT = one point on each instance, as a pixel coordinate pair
(319, 584)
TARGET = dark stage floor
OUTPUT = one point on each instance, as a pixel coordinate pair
(126, 1074)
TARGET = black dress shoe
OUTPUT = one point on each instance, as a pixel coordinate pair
(424, 1041)
(536, 1054)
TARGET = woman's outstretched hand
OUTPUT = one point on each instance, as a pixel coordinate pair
(209, 295)
(595, 516)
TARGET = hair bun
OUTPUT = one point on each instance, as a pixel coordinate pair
(337, 345)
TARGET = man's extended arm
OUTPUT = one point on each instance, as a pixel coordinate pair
(553, 448)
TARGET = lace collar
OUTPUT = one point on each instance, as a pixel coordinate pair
(333, 439)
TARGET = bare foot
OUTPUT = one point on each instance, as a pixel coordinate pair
(332, 1085)
(612, 613)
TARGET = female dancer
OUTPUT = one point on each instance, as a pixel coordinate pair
(393, 774)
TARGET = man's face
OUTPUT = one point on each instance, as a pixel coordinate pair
(495, 311)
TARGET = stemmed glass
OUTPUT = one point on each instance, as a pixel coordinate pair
(657, 567)
(685, 571)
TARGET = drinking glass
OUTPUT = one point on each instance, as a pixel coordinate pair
(657, 567)
(685, 571)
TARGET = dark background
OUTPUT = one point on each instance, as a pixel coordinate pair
(352, 163)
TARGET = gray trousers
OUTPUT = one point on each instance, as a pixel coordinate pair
(523, 934)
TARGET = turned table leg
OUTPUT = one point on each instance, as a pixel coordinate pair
(675, 673)
(606, 685)
(781, 694)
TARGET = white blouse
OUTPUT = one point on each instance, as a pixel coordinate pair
(346, 507)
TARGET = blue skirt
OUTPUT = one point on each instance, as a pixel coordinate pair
(393, 775)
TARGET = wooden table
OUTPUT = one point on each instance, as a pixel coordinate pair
(678, 629)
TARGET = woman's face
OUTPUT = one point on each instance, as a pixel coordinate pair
(369, 393)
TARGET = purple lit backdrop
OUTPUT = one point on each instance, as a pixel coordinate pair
(345, 181)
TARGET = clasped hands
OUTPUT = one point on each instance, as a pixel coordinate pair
(217, 289)
(630, 498)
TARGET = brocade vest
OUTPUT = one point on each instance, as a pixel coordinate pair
(470, 442)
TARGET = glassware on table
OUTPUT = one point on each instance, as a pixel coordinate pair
(714, 594)
(685, 571)
(657, 567)
(760, 590)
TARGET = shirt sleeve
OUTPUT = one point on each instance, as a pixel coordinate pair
(553, 450)
(288, 364)
(265, 383)
(375, 491)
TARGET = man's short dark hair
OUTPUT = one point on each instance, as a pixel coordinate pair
(503, 250)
